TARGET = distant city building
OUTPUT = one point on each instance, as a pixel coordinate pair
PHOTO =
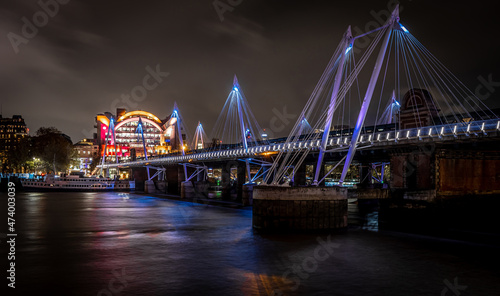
(264, 135)
(160, 135)
(417, 103)
(12, 130)
(86, 150)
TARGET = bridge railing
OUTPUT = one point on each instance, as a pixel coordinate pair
(435, 133)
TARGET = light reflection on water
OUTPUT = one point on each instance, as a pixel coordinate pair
(363, 215)
(70, 244)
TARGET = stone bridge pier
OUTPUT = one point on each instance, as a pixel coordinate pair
(156, 185)
(298, 209)
(232, 180)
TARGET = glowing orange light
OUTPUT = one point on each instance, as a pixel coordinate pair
(139, 113)
(103, 119)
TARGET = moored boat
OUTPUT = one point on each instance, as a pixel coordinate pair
(76, 183)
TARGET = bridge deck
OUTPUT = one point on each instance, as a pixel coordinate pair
(449, 132)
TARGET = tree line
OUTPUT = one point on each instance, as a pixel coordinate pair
(47, 150)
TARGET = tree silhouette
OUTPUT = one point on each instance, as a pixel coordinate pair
(54, 149)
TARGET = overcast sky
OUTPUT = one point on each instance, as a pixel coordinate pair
(91, 52)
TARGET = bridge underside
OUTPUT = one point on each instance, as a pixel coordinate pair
(434, 169)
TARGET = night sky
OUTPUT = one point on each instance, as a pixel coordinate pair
(92, 52)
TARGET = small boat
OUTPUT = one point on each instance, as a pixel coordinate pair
(76, 183)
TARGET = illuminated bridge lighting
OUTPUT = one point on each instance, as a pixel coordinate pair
(404, 29)
(443, 132)
(348, 49)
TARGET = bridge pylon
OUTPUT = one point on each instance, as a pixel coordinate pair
(346, 46)
(236, 125)
(369, 93)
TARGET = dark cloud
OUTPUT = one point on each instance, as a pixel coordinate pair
(92, 52)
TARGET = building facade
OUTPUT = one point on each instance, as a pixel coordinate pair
(87, 151)
(133, 131)
(12, 130)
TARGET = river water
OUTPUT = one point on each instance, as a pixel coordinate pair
(132, 244)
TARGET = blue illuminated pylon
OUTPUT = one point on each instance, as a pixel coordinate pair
(178, 123)
(369, 93)
(140, 131)
(347, 44)
(305, 127)
(236, 123)
(236, 85)
(241, 116)
(200, 138)
(391, 109)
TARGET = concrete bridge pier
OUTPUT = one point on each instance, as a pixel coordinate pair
(365, 174)
(195, 189)
(297, 209)
(161, 186)
(233, 189)
(247, 195)
(149, 186)
(226, 181)
(140, 175)
(187, 189)
(192, 189)
(241, 180)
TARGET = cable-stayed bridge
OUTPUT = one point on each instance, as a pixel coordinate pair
(381, 139)
(424, 103)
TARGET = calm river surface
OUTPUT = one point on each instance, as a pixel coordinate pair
(132, 244)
